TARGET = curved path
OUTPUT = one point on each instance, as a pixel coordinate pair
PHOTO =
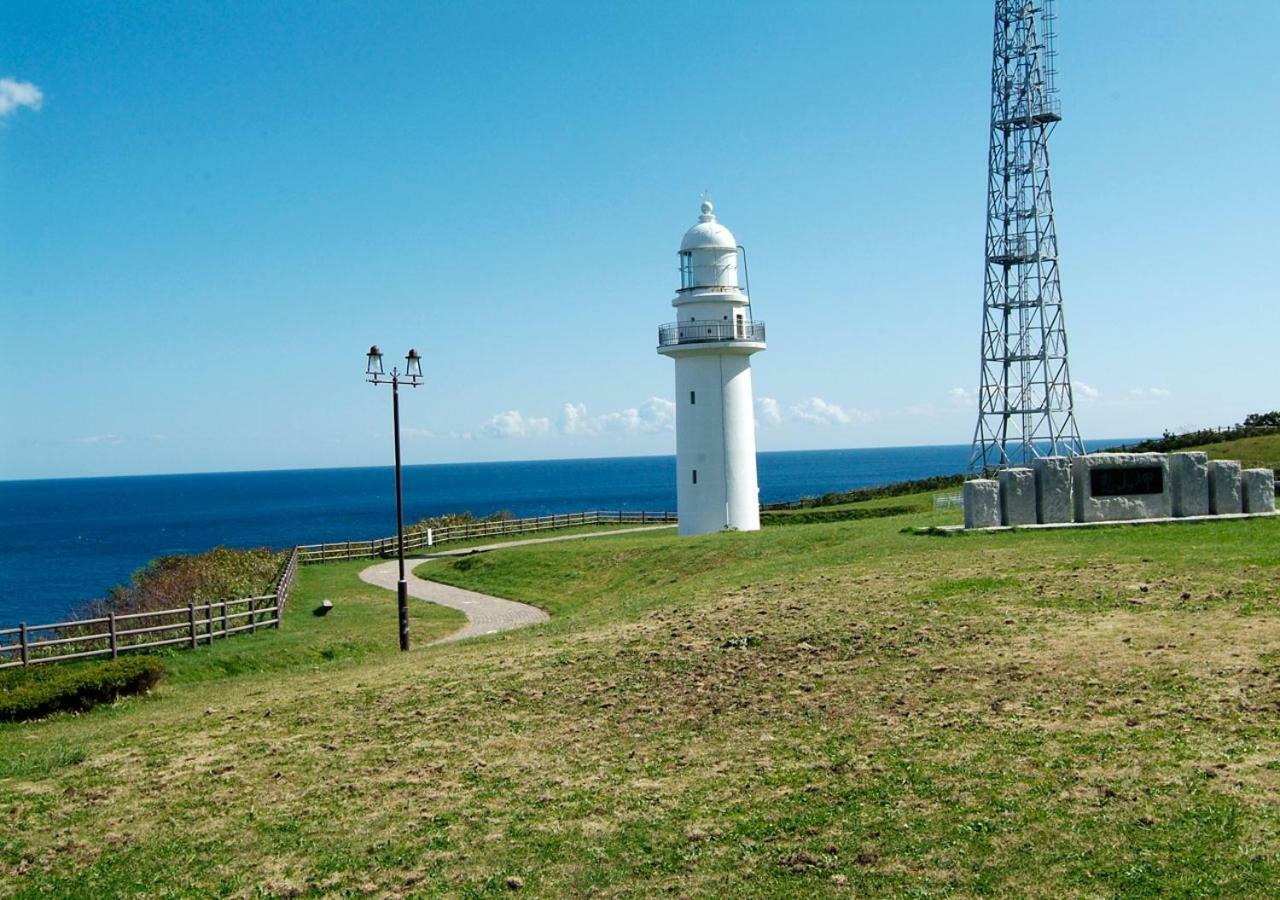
(485, 614)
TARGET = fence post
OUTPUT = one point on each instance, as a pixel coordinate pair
(279, 610)
(208, 622)
(226, 623)
(253, 614)
(191, 620)
(22, 641)
(111, 629)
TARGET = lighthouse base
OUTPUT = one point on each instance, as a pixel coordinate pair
(717, 488)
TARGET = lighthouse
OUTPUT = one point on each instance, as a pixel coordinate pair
(711, 342)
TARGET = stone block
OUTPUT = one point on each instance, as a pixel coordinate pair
(1190, 474)
(981, 503)
(1258, 490)
(1053, 489)
(1224, 487)
(1017, 496)
(1115, 487)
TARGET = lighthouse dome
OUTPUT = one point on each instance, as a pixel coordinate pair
(708, 233)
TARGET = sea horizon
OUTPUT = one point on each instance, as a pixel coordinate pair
(483, 462)
(1093, 444)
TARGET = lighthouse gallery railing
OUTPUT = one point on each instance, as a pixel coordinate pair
(703, 331)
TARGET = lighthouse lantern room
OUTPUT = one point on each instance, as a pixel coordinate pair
(711, 342)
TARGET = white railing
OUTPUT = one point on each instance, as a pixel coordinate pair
(953, 500)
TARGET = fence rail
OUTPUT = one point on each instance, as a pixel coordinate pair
(465, 531)
(190, 625)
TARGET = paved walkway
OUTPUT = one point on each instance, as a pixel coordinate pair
(485, 614)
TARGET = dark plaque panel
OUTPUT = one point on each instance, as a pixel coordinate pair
(1126, 482)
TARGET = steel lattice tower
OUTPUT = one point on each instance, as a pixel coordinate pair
(1025, 406)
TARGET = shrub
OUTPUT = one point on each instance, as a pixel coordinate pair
(449, 520)
(39, 691)
(858, 495)
(813, 516)
(169, 582)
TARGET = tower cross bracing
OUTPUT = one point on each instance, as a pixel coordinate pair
(1025, 404)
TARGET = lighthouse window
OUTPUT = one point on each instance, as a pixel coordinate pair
(695, 476)
(693, 398)
(686, 270)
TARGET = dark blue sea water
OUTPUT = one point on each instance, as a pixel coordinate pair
(65, 541)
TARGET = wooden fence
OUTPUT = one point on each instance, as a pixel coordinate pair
(203, 623)
(116, 633)
(419, 539)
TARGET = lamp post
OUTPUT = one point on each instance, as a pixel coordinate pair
(413, 377)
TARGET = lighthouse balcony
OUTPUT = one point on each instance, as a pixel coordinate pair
(710, 331)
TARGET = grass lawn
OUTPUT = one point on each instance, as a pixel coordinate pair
(361, 625)
(795, 712)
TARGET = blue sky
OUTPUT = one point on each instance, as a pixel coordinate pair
(209, 211)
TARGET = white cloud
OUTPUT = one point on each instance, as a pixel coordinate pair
(574, 419)
(820, 412)
(425, 434)
(1084, 391)
(920, 409)
(90, 440)
(962, 396)
(770, 412)
(513, 424)
(15, 94)
(654, 415)
(1150, 392)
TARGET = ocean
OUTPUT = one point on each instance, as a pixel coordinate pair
(65, 541)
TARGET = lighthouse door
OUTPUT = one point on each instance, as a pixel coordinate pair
(739, 327)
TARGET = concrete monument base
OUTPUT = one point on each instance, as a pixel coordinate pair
(1114, 487)
(1053, 490)
(1258, 490)
(1017, 497)
(981, 503)
(1190, 474)
(1117, 487)
(1224, 487)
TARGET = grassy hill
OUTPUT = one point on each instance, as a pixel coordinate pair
(793, 712)
(1253, 452)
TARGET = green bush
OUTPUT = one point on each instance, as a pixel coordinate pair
(39, 691)
(812, 516)
(169, 582)
(449, 520)
(859, 495)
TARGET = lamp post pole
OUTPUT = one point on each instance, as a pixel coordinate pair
(402, 586)
(412, 377)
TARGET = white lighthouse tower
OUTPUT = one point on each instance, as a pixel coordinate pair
(711, 342)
